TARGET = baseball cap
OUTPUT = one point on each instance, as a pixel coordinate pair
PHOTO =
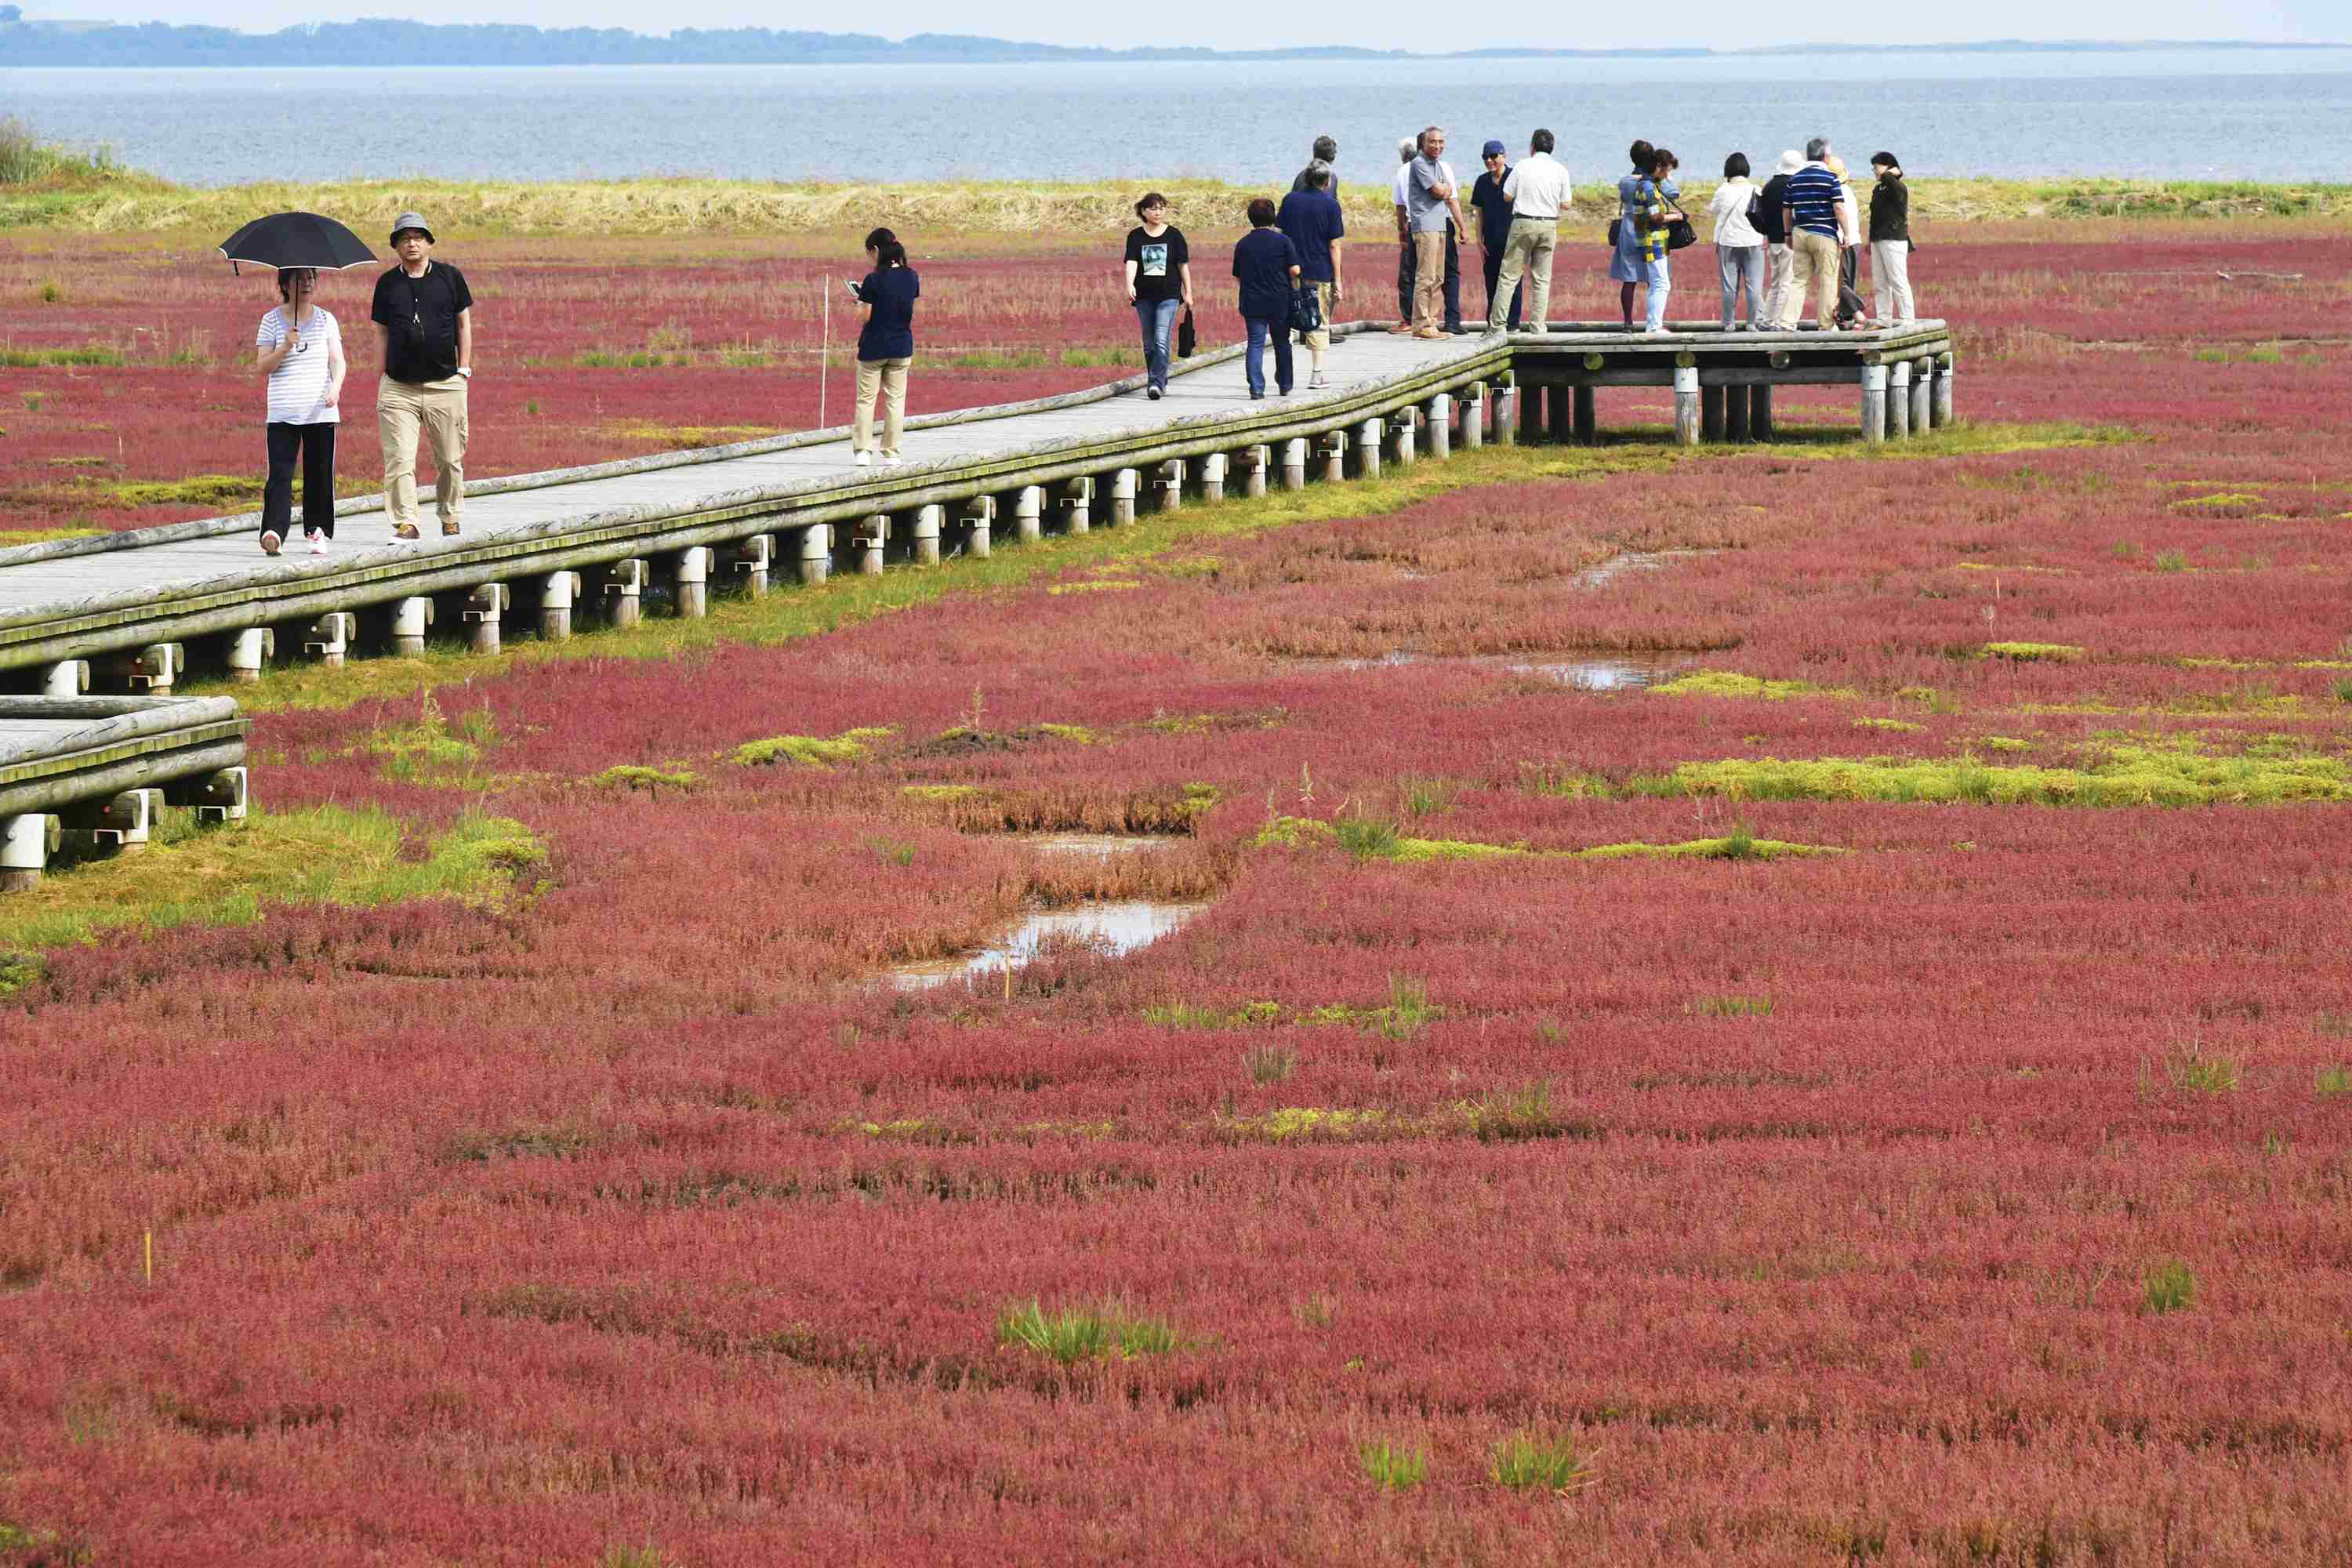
(1491, 148)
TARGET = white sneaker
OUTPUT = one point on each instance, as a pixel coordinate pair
(863, 459)
(892, 460)
(269, 541)
(1317, 380)
(318, 542)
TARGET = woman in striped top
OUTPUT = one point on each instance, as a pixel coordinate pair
(301, 353)
(1654, 202)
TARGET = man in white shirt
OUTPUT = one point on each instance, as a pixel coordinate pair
(1537, 190)
(1408, 148)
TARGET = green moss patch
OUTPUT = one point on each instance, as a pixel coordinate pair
(810, 750)
(1732, 683)
(2122, 775)
(2030, 652)
(1728, 846)
(651, 780)
(1903, 726)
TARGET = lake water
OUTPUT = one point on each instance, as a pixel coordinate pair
(2281, 114)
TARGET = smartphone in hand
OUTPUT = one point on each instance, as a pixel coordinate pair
(852, 285)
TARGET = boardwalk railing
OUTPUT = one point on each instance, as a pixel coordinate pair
(124, 611)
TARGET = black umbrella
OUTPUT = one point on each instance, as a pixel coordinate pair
(297, 239)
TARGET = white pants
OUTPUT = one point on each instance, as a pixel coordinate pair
(1890, 279)
(1776, 289)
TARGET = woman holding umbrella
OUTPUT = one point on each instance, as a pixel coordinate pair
(300, 350)
(301, 353)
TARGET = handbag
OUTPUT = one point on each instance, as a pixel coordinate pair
(1186, 340)
(1306, 309)
(1679, 232)
(1616, 230)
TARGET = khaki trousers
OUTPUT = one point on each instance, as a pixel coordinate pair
(1527, 249)
(1818, 259)
(1428, 279)
(1319, 340)
(438, 407)
(888, 376)
(1776, 286)
(1890, 279)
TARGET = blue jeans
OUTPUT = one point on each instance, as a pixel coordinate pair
(1260, 331)
(1159, 322)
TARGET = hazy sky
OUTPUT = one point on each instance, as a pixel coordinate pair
(1252, 23)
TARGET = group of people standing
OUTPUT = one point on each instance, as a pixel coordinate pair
(1798, 237)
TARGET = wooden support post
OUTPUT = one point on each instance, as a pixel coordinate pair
(485, 607)
(1253, 463)
(1686, 415)
(328, 640)
(1368, 445)
(1923, 396)
(1168, 489)
(1438, 415)
(1406, 440)
(1029, 513)
(1873, 402)
(1563, 411)
(690, 572)
(1711, 417)
(67, 677)
(1760, 411)
(1507, 412)
(26, 842)
(1735, 413)
(151, 671)
(409, 618)
(755, 558)
(249, 652)
(1898, 401)
(1213, 476)
(124, 822)
(1333, 445)
(220, 796)
(1123, 485)
(978, 526)
(1473, 416)
(558, 591)
(816, 554)
(625, 586)
(1294, 463)
(924, 536)
(1943, 390)
(1587, 422)
(1077, 502)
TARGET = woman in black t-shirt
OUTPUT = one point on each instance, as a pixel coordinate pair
(1159, 281)
(886, 346)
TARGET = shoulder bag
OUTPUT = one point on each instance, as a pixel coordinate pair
(1186, 340)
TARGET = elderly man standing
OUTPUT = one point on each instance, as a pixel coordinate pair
(1431, 202)
(1537, 189)
(1327, 153)
(1408, 148)
(1815, 228)
(424, 318)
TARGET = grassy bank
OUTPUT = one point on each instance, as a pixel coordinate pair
(65, 191)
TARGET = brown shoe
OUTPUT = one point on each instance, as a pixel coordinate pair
(269, 541)
(404, 531)
(448, 527)
(1401, 329)
(1427, 333)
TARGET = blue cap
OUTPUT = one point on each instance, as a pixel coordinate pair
(1493, 148)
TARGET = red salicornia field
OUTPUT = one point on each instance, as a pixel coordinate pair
(1777, 1006)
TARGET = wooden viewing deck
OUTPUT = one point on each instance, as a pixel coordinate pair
(127, 611)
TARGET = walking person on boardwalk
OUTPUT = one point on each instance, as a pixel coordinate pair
(1159, 284)
(1812, 198)
(1325, 153)
(885, 347)
(1312, 221)
(1537, 192)
(1265, 265)
(1772, 223)
(301, 354)
(1890, 242)
(1431, 202)
(1738, 248)
(1629, 264)
(1493, 209)
(423, 316)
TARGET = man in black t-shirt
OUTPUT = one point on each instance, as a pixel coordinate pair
(423, 316)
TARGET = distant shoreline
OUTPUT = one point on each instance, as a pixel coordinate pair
(381, 42)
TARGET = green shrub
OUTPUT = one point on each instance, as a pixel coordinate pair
(2170, 1286)
(1392, 1467)
(1522, 1461)
(1071, 1335)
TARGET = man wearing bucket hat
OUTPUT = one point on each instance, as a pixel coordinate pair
(424, 318)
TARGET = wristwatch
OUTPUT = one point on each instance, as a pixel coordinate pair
(466, 371)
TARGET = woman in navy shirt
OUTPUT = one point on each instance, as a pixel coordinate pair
(1265, 265)
(886, 346)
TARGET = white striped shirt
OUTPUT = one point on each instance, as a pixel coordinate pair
(300, 380)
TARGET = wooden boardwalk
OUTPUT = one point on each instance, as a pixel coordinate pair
(126, 613)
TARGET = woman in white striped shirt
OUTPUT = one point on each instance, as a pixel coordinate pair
(301, 353)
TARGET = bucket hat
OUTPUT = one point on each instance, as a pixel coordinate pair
(412, 220)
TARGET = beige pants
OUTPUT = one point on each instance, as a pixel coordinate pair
(1816, 272)
(1316, 341)
(1428, 279)
(1527, 249)
(1776, 284)
(887, 377)
(402, 407)
(1890, 279)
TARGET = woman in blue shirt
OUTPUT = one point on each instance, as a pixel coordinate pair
(886, 346)
(1629, 264)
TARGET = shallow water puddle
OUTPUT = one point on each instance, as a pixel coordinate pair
(1121, 928)
(1621, 672)
(1104, 845)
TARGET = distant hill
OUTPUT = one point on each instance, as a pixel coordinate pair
(383, 41)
